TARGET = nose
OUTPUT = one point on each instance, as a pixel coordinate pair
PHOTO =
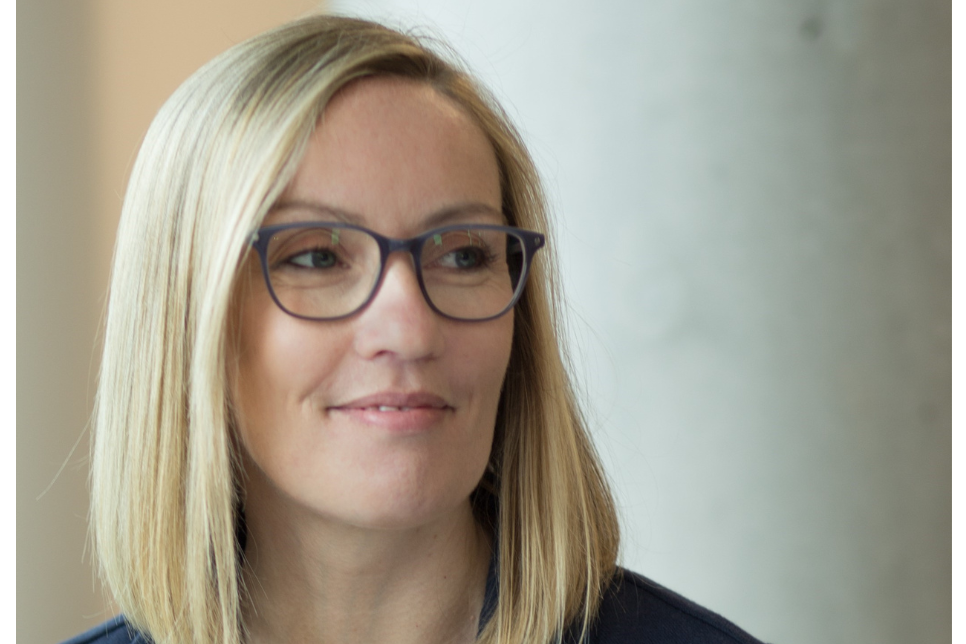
(398, 320)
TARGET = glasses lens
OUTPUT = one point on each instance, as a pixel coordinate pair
(472, 273)
(322, 272)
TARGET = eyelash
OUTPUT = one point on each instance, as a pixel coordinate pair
(486, 256)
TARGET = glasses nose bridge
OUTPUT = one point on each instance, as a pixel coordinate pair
(410, 246)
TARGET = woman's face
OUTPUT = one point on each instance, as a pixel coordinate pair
(384, 419)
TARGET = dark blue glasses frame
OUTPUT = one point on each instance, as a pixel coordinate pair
(531, 242)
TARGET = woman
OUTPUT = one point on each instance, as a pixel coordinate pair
(329, 410)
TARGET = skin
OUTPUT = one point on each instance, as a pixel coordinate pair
(360, 527)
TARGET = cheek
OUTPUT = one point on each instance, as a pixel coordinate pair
(281, 361)
(478, 363)
(491, 351)
(483, 361)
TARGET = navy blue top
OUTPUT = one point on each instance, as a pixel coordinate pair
(633, 610)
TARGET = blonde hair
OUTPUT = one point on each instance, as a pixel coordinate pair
(165, 481)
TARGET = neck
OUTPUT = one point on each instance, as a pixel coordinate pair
(311, 579)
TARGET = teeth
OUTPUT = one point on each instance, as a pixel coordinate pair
(387, 408)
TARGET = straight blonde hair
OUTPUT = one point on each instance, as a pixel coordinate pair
(166, 489)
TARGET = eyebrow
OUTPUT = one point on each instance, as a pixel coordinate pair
(433, 220)
(337, 214)
(448, 214)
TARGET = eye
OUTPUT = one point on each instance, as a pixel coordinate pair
(464, 258)
(316, 258)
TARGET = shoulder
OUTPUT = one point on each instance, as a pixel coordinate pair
(114, 631)
(635, 609)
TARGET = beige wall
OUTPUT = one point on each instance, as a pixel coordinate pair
(90, 75)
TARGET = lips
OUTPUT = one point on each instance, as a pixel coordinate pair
(396, 412)
(395, 401)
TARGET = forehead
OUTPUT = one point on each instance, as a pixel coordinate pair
(393, 152)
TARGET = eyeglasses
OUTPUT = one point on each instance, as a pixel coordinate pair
(327, 271)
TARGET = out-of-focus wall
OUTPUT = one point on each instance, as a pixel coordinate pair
(753, 202)
(90, 76)
(57, 310)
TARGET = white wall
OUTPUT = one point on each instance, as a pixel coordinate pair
(753, 210)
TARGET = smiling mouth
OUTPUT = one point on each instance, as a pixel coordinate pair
(388, 409)
(395, 402)
(407, 413)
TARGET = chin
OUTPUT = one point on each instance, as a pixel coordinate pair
(395, 512)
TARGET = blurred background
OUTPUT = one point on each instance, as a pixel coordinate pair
(753, 219)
